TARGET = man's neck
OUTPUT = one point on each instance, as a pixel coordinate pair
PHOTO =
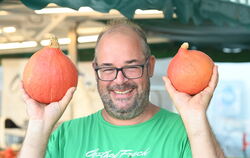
(148, 113)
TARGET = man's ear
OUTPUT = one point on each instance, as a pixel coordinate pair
(151, 65)
(94, 66)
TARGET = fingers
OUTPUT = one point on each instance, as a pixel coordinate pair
(169, 87)
(214, 79)
(67, 97)
(212, 84)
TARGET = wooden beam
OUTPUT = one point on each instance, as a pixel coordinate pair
(72, 53)
(73, 46)
(55, 20)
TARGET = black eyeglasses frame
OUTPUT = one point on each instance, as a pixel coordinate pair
(121, 69)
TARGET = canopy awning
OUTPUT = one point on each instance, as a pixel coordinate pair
(220, 12)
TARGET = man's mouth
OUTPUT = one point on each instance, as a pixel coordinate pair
(122, 95)
(123, 91)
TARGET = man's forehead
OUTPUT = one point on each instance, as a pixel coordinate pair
(121, 31)
(119, 45)
(128, 61)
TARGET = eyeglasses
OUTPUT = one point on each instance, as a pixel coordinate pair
(130, 72)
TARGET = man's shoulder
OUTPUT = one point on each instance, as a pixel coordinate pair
(171, 123)
(169, 114)
(89, 119)
(170, 118)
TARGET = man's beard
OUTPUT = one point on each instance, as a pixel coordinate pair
(140, 101)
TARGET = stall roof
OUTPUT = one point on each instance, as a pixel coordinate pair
(221, 12)
(214, 25)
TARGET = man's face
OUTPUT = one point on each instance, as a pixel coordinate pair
(123, 98)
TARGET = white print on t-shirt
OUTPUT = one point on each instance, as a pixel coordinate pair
(96, 153)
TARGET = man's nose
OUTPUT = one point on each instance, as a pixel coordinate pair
(120, 78)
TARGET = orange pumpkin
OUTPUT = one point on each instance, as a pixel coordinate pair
(190, 70)
(49, 74)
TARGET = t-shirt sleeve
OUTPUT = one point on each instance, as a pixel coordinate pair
(187, 153)
(53, 146)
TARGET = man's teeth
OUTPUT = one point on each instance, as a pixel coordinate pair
(123, 92)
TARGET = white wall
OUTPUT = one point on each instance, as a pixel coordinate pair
(229, 110)
(158, 94)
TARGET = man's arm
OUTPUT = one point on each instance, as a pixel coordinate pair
(202, 140)
(193, 113)
(35, 141)
(42, 119)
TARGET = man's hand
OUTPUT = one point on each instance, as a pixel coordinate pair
(193, 113)
(198, 103)
(42, 119)
(50, 113)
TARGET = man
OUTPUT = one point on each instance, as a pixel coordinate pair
(129, 125)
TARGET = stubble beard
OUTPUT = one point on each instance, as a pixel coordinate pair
(140, 101)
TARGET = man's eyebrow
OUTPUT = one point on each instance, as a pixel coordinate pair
(132, 61)
(106, 64)
(126, 62)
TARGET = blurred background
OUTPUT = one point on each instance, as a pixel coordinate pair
(220, 28)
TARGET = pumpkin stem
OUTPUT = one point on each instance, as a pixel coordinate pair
(185, 45)
(53, 42)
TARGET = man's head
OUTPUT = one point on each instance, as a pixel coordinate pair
(118, 26)
(124, 91)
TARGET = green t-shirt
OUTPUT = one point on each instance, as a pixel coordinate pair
(162, 136)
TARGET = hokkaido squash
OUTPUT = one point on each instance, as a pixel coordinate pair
(49, 73)
(190, 70)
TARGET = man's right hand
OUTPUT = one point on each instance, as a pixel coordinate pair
(48, 113)
(42, 118)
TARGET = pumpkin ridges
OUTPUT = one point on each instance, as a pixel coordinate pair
(59, 71)
(51, 79)
(43, 62)
(61, 80)
(56, 81)
(31, 77)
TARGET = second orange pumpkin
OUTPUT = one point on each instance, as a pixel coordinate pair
(190, 70)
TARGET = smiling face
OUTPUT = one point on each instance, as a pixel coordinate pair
(123, 98)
